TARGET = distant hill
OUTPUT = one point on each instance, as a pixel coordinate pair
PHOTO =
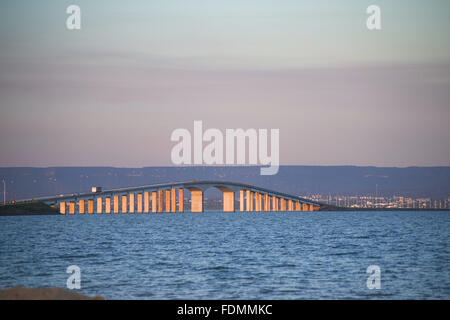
(431, 182)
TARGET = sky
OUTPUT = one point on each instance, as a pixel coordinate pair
(111, 93)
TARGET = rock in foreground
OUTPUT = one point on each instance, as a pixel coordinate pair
(20, 293)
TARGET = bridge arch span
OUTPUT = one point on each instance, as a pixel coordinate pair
(170, 197)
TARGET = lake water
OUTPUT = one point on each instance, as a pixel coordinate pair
(213, 255)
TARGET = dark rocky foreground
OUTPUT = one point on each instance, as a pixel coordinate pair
(20, 293)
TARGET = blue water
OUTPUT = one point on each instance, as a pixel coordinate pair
(213, 255)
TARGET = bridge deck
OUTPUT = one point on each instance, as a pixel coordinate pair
(203, 185)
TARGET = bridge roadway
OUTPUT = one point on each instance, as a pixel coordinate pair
(169, 197)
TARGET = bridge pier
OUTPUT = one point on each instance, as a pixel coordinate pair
(99, 205)
(131, 205)
(282, 204)
(241, 200)
(108, 205)
(154, 201)
(196, 200)
(247, 202)
(124, 204)
(228, 200)
(180, 200)
(81, 207)
(90, 206)
(72, 207)
(258, 201)
(160, 200)
(62, 207)
(116, 204)
(167, 202)
(173, 200)
(146, 202)
(290, 205)
(139, 203)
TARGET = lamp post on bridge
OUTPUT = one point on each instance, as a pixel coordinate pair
(4, 191)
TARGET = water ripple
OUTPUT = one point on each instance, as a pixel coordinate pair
(232, 256)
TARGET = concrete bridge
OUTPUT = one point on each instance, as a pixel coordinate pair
(170, 197)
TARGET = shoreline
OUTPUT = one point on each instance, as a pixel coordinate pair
(50, 293)
(30, 208)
